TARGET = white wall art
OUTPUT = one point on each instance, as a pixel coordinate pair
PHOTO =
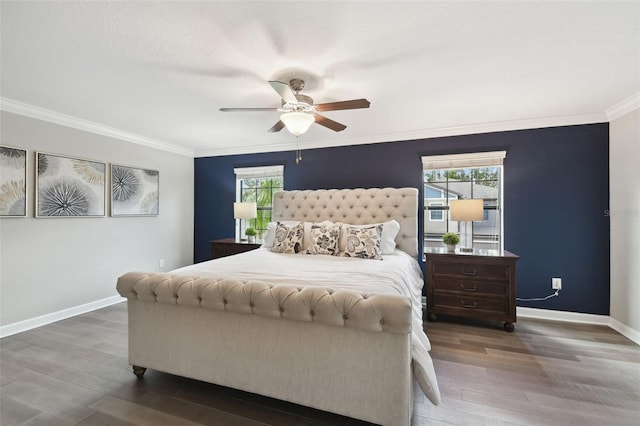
(134, 191)
(69, 187)
(13, 182)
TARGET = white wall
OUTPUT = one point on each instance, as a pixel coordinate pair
(49, 265)
(624, 209)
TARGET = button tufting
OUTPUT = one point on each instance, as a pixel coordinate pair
(224, 301)
(281, 309)
(251, 304)
(345, 317)
(312, 313)
(381, 322)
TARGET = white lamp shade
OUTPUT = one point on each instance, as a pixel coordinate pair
(297, 122)
(245, 210)
(464, 210)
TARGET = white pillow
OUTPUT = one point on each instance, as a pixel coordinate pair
(390, 230)
(269, 235)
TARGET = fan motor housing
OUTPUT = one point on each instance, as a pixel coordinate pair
(304, 98)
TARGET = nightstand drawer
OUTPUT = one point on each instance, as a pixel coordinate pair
(471, 287)
(471, 271)
(470, 303)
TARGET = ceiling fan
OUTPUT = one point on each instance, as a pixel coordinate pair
(299, 111)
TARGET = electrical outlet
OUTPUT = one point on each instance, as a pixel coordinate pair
(556, 283)
(161, 263)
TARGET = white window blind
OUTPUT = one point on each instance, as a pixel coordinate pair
(461, 161)
(258, 172)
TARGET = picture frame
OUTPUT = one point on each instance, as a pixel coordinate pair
(13, 181)
(134, 191)
(69, 186)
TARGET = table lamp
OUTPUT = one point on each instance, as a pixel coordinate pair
(466, 211)
(244, 210)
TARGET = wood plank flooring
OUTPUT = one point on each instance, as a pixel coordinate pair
(75, 372)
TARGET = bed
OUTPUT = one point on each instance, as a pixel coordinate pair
(340, 334)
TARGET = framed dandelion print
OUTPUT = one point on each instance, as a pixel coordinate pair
(13, 182)
(134, 191)
(69, 187)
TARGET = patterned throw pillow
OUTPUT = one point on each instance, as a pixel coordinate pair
(324, 239)
(363, 242)
(288, 238)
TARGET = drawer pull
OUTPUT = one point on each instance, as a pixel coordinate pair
(471, 274)
(464, 305)
(474, 288)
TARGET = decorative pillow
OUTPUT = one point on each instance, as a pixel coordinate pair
(324, 239)
(288, 238)
(270, 234)
(362, 242)
(390, 230)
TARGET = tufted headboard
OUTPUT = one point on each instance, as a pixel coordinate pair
(356, 207)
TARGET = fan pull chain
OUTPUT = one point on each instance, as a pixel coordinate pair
(298, 150)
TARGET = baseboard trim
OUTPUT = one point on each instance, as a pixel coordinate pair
(547, 314)
(625, 330)
(26, 325)
(562, 316)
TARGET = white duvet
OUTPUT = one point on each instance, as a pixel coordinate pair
(397, 273)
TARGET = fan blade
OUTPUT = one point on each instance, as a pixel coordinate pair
(277, 127)
(247, 109)
(352, 104)
(330, 124)
(284, 91)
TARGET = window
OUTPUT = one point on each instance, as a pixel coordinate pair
(435, 214)
(258, 184)
(459, 177)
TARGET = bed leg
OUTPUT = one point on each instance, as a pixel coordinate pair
(431, 317)
(509, 327)
(139, 371)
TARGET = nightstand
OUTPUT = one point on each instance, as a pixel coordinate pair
(481, 284)
(230, 246)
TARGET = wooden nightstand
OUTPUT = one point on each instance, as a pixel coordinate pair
(481, 284)
(230, 246)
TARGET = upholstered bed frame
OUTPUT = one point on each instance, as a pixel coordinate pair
(341, 357)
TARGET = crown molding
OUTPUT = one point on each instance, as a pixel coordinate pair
(498, 126)
(615, 111)
(15, 107)
(623, 107)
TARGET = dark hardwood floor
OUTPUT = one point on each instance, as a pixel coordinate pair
(75, 372)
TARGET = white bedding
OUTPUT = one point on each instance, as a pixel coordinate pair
(397, 273)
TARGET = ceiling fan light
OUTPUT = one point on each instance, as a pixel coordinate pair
(297, 122)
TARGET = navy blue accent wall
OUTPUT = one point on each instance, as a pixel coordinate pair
(556, 183)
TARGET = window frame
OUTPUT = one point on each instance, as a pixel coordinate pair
(431, 211)
(258, 173)
(480, 160)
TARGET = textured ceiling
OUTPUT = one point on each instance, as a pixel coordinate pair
(161, 70)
